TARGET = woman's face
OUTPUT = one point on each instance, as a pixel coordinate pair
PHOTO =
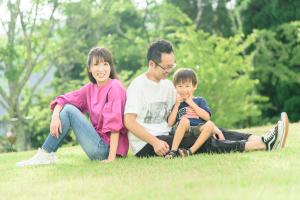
(100, 71)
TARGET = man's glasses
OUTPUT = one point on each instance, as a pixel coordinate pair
(166, 68)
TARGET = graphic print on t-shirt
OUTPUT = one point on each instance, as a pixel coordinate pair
(187, 112)
(156, 113)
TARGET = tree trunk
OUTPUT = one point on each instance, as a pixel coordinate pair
(22, 142)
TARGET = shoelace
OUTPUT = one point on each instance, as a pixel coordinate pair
(270, 134)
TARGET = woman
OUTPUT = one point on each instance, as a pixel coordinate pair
(104, 137)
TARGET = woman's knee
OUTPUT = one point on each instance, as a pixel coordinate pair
(69, 108)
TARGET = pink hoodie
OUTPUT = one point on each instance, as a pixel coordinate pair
(105, 105)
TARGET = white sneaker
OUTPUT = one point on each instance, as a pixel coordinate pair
(285, 120)
(40, 158)
(280, 135)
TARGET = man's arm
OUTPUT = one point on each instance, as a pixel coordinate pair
(160, 147)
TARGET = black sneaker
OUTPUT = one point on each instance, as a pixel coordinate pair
(270, 138)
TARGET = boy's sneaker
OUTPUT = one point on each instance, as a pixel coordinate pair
(270, 137)
(285, 120)
(40, 158)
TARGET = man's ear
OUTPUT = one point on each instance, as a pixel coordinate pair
(151, 63)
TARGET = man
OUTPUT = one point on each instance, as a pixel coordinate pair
(150, 98)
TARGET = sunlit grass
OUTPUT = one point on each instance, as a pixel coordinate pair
(255, 175)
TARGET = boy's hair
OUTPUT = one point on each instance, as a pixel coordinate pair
(184, 75)
(100, 54)
(157, 48)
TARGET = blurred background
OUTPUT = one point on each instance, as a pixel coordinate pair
(246, 54)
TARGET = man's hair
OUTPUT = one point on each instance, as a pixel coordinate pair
(184, 75)
(157, 48)
(100, 54)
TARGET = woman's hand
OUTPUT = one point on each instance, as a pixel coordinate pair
(55, 126)
(108, 160)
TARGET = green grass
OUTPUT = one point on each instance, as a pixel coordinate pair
(255, 175)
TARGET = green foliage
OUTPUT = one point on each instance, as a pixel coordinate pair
(210, 16)
(224, 75)
(266, 14)
(277, 61)
(38, 128)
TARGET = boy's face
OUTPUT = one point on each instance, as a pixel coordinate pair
(185, 89)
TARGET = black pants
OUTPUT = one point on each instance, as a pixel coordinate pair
(234, 142)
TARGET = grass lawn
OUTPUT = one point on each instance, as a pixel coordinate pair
(255, 175)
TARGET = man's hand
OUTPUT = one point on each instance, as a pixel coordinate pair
(217, 134)
(161, 147)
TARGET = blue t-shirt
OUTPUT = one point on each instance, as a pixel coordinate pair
(195, 120)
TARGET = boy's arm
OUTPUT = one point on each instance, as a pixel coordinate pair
(199, 111)
(172, 116)
(160, 147)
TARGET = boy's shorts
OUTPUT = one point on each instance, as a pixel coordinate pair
(193, 130)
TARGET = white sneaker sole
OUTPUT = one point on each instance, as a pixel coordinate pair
(285, 120)
(280, 135)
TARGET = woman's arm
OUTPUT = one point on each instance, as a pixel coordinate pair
(55, 125)
(114, 140)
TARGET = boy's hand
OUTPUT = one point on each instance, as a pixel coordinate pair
(189, 100)
(179, 99)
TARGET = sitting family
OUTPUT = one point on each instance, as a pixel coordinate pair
(158, 117)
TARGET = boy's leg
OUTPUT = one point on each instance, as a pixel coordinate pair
(85, 133)
(206, 131)
(182, 128)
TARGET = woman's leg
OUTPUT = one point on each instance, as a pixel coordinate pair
(86, 135)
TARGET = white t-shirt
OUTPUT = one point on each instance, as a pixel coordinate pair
(152, 103)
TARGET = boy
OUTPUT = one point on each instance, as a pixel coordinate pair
(189, 114)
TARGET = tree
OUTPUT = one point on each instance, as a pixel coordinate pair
(267, 14)
(224, 75)
(277, 64)
(24, 50)
(211, 16)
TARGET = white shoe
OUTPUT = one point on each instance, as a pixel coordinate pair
(285, 120)
(40, 158)
(280, 135)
